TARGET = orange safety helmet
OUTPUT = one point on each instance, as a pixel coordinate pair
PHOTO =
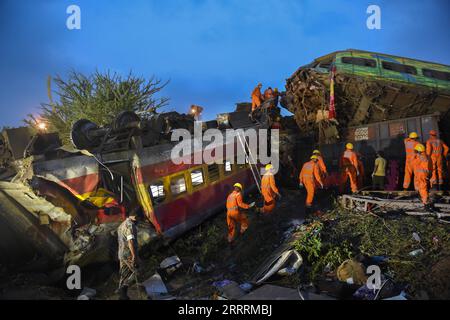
(433, 133)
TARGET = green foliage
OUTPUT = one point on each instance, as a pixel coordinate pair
(309, 242)
(99, 97)
(332, 259)
(391, 236)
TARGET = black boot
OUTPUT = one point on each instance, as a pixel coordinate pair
(123, 293)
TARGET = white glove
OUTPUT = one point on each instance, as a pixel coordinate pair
(252, 204)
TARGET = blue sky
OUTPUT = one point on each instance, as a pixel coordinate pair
(213, 51)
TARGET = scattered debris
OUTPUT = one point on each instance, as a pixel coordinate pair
(171, 264)
(285, 264)
(156, 289)
(352, 272)
(87, 294)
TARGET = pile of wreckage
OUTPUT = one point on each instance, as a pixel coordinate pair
(406, 202)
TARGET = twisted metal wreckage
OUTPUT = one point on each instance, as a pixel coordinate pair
(63, 204)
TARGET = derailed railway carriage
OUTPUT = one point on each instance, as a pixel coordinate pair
(97, 189)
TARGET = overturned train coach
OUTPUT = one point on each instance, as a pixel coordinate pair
(73, 200)
(368, 87)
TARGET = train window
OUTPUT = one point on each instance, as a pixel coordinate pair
(398, 67)
(157, 192)
(197, 177)
(228, 167)
(213, 172)
(439, 75)
(326, 64)
(177, 185)
(359, 61)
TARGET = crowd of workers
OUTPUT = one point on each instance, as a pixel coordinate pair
(270, 96)
(424, 166)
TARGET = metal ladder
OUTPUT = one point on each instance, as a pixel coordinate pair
(251, 160)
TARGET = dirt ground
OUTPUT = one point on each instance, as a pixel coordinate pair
(343, 234)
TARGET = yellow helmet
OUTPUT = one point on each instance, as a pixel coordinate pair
(268, 167)
(413, 135)
(314, 157)
(316, 152)
(349, 146)
(276, 89)
(238, 185)
(419, 148)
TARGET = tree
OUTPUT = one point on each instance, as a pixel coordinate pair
(99, 98)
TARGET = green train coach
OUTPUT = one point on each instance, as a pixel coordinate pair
(386, 67)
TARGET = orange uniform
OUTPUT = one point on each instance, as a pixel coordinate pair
(234, 202)
(256, 98)
(269, 190)
(410, 144)
(437, 151)
(422, 169)
(310, 177)
(349, 170)
(322, 166)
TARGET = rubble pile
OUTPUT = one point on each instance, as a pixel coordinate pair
(405, 247)
(358, 101)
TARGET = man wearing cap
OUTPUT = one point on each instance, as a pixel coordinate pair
(437, 151)
(422, 168)
(349, 169)
(234, 215)
(128, 254)
(269, 190)
(410, 144)
(310, 178)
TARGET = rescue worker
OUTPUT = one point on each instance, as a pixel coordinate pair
(410, 144)
(321, 163)
(437, 151)
(422, 169)
(349, 168)
(269, 190)
(257, 97)
(234, 215)
(268, 94)
(128, 254)
(379, 172)
(310, 178)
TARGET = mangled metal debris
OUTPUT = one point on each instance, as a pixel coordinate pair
(369, 87)
(413, 207)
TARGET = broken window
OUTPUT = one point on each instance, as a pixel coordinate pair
(157, 192)
(213, 172)
(326, 64)
(398, 67)
(177, 185)
(197, 178)
(363, 62)
(439, 75)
